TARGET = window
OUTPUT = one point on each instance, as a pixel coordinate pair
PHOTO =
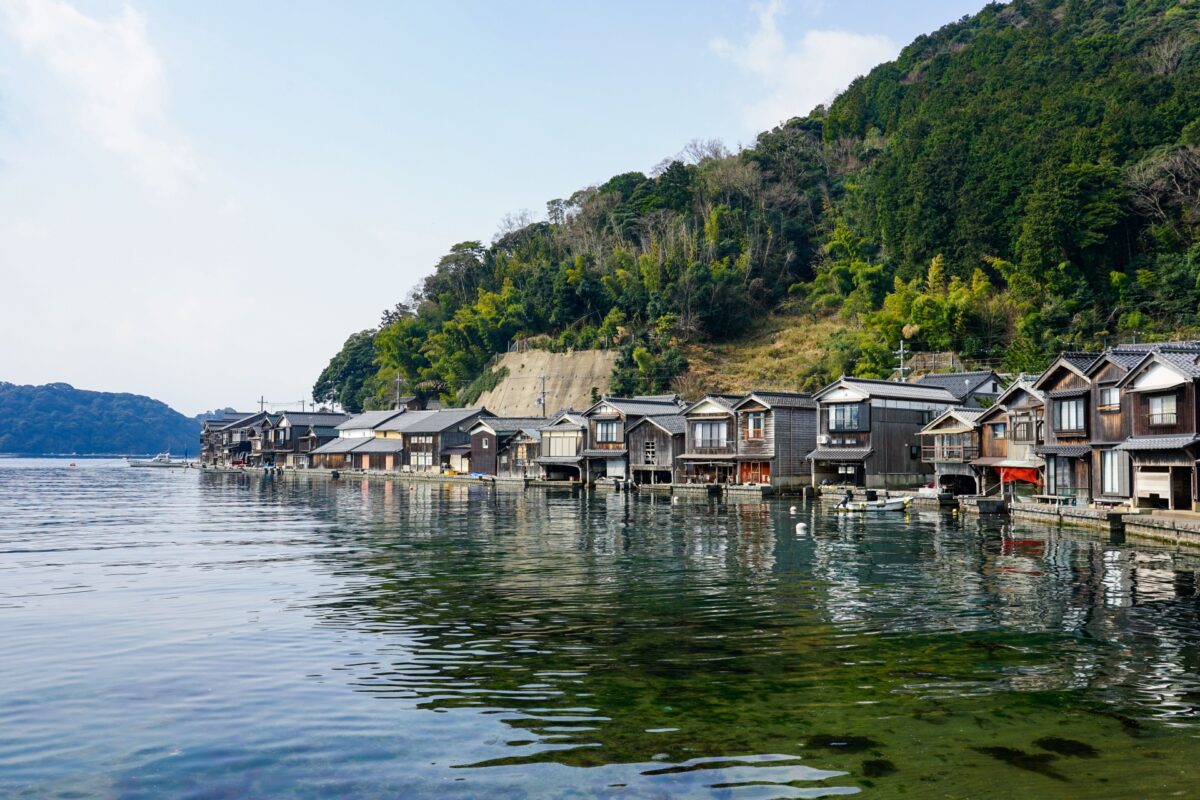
(1162, 409)
(845, 417)
(1023, 429)
(486, 443)
(608, 431)
(1000, 430)
(710, 434)
(649, 454)
(1068, 415)
(755, 425)
(1110, 399)
(561, 444)
(1114, 473)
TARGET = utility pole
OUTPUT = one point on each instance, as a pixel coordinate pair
(397, 391)
(542, 397)
(900, 353)
(262, 401)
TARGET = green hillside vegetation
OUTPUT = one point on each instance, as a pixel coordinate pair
(1021, 181)
(58, 418)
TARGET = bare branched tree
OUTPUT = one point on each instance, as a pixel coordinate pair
(1164, 57)
(513, 222)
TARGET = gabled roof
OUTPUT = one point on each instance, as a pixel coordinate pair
(670, 423)
(726, 401)
(1072, 362)
(637, 407)
(1001, 405)
(431, 421)
(780, 399)
(668, 398)
(966, 417)
(321, 430)
(960, 384)
(506, 426)
(890, 389)
(369, 420)
(302, 419)
(565, 419)
(1183, 362)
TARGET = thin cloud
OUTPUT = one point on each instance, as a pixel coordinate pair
(115, 77)
(799, 76)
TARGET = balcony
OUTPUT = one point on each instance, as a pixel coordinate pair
(948, 453)
(1162, 419)
(709, 447)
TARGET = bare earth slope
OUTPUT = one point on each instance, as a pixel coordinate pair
(570, 379)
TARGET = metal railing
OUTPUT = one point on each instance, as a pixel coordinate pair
(1162, 418)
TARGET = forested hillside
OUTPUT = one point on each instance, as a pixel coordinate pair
(58, 418)
(1021, 181)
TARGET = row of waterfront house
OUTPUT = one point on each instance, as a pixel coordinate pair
(1119, 428)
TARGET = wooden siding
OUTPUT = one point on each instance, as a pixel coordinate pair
(989, 445)
(1063, 380)
(483, 452)
(1185, 411)
(666, 446)
(893, 433)
(596, 444)
(764, 447)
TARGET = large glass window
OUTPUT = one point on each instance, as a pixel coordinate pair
(608, 431)
(845, 417)
(1114, 472)
(1068, 415)
(710, 434)
(1162, 409)
(755, 425)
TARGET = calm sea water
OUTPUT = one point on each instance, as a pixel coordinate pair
(170, 634)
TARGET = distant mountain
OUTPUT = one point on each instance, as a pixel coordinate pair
(58, 418)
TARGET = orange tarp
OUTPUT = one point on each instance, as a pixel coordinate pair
(1023, 474)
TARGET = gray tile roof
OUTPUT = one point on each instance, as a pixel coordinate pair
(1079, 360)
(1185, 362)
(504, 426)
(1068, 450)
(340, 446)
(572, 418)
(603, 453)
(634, 407)
(897, 390)
(432, 421)
(1061, 393)
(379, 446)
(1158, 442)
(727, 401)
(840, 453)
(368, 420)
(303, 419)
(783, 399)
(671, 423)
(961, 384)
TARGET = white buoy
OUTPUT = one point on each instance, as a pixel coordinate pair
(801, 528)
(792, 511)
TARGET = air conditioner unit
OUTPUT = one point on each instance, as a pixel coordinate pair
(822, 439)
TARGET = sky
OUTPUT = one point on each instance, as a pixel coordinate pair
(201, 201)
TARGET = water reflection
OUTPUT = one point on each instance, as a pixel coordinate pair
(464, 640)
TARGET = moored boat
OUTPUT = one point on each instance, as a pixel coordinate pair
(895, 504)
(162, 460)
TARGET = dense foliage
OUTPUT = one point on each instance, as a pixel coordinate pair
(1020, 181)
(58, 418)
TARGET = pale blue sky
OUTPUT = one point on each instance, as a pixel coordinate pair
(199, 202)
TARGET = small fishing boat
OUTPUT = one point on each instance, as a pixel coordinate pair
(895, 504)
(162, 460)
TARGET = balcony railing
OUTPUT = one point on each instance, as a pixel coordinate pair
(708, 447)
(955, 454)
(1162, 418)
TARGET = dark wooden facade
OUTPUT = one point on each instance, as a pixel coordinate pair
(1067, 448)
(775, 433)
(710, 442)
(653, 444)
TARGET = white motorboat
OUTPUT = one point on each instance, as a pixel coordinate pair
(162, 460)
(895, 504)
